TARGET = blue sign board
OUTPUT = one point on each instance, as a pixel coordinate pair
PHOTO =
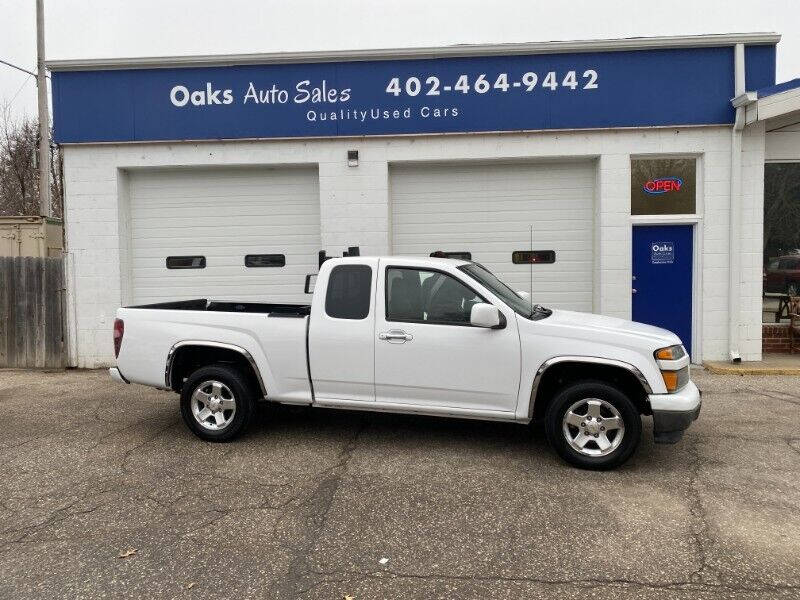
(691, 86)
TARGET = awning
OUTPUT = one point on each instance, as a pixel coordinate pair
(776, 101)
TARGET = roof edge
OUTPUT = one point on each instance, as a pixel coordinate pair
(553, 47)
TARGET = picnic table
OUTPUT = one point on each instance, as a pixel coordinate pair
(783, 305)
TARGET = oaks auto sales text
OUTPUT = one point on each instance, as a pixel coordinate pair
(304, 92)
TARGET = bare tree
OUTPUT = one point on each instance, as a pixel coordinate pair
(19, 180)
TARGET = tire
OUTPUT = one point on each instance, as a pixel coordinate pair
(217, 402)
(792, 288)
(581, 439)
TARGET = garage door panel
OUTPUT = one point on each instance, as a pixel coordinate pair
(221, 232)
(223, 214)
(541, 228)
(509, 208)
(488, 209)
(476, 232)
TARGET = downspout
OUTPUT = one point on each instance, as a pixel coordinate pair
(735, 216)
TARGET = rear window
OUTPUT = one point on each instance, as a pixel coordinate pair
(348, 292)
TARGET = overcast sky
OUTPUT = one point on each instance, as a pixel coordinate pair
(126, 28)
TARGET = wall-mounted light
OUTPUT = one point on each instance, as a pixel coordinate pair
(352, 158)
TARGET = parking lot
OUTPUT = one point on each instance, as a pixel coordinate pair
(105, 493)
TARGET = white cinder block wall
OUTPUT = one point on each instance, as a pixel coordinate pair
(355, 210)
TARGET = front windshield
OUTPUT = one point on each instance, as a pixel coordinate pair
(502, 291)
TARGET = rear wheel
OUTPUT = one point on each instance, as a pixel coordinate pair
(217, 402)
(593, 425)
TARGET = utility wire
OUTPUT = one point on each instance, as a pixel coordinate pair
(13, 66)
(24, 83)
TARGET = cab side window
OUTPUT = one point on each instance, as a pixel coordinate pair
(349, 292)
(421, 296)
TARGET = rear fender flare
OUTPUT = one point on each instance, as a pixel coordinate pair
(177, 346)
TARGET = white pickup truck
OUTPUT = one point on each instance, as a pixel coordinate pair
(431, 336)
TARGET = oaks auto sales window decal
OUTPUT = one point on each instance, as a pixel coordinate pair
(662, 253)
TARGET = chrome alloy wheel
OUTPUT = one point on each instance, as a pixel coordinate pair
(213, 405)
(593, 427)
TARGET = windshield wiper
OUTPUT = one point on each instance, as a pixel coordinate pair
(539, 309)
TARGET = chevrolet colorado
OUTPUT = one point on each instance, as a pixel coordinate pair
(432, 336)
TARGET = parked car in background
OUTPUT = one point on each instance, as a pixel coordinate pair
(431, 336)
(782, 275)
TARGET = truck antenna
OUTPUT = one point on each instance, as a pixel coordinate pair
(531, 263)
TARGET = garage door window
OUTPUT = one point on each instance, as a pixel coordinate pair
(265, 260)
(420, 296)
(533, 257)
(186, 262)
(349, 292)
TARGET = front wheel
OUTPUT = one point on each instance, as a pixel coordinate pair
(593, 425)
(217, 402)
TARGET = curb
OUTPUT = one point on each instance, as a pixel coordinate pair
(724, 368)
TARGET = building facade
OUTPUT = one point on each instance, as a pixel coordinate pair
(623, 177)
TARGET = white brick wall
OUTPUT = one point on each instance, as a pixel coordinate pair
(354, 208)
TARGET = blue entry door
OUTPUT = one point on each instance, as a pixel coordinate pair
(662, 278)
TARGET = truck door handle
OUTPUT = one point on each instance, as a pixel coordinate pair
(395, 335)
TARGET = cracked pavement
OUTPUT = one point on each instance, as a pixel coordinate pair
(309, 501)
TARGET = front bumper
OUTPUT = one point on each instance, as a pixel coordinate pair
(117, 376)
(673, 413)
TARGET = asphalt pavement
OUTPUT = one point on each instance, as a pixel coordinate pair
(105, 493)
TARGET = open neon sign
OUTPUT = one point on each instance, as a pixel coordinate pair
(663, 185)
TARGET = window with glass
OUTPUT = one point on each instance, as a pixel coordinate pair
(186, 262)
(663, 186)
(518, 304)
(349, 292)
(265, 260)
(427, 296)
(781, 239)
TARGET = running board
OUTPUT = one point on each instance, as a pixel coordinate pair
(413, 409)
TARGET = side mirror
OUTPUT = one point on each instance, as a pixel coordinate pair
(311, 281)
(486, 315)
(524, 295)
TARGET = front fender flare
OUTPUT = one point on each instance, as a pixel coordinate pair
(593, 360)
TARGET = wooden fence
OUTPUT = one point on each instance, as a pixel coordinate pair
(31, 312)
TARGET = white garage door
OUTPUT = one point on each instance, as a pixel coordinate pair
(223, 215)
(488, 210)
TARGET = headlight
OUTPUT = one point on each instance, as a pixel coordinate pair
(674, 365)
(671, 353)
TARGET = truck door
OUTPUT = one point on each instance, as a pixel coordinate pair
(341, 335)
(428, 354)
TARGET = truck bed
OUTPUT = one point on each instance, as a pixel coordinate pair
(203, 304)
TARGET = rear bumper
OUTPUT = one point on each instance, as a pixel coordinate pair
(674, 413)
(117, 376)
